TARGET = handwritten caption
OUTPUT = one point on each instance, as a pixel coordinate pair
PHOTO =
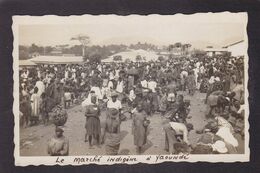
(98, 159)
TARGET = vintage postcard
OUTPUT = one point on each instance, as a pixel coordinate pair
(111, 89)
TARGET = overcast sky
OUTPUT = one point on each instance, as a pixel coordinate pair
(217, 29)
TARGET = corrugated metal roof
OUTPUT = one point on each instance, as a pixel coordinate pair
(131, 55)
(58, 59)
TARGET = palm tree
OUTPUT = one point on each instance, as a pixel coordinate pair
(84, 40)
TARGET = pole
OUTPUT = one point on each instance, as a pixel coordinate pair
(83, 50)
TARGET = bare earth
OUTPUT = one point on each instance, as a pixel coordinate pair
(33, 140)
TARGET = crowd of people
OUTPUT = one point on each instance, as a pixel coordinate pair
(143, 90)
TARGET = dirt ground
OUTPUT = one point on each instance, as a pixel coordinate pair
(33, 140)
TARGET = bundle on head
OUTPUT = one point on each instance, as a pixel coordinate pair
(59, 115)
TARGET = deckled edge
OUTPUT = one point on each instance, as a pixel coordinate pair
(23, 161)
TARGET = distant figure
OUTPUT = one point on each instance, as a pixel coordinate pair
(35, 104)
(59, 144)
(139, 128)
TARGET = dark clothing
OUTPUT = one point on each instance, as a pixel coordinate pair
(112, 136)
(139, 130)
(92, 120)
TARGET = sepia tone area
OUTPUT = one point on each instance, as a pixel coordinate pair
(132, 87)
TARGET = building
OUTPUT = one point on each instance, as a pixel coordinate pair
(215, 51)
(58, 60)
(133, 55)
(26, 63)
(237, 49)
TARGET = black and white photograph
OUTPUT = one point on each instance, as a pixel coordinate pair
(131, 88)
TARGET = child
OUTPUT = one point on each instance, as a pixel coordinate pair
(67, 98)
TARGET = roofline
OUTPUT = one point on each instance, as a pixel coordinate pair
(234, 43)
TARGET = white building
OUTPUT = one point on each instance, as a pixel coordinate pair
(237, 48)
(215, 51)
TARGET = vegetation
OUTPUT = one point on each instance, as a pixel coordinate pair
(90, 51)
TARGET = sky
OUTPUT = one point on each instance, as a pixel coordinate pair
(214, 29)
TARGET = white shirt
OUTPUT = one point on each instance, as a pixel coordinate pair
(197, 64)
(227, 136)
(152, 85)
(39, 74)
(67, 96)
(105, 91)
(97, 92)
(120, 86)
(87, 101)
(117, 104)
(110, 85)
(239, 91)
(211, 80)
(180, 129)
(184, 74)
(242, 108)
(66, 74)
(111, 76)
(41, 87)
(83, 75)
(202, 69)
(132, 95)
(144, 84)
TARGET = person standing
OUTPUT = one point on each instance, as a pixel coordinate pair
(40, 85)
(25, 108)
(35, 104)
(44, 109)
(139, 128)
(152, 85)
(114, 103)
(183, 76)
(93, 128)
(191, 83)
(59, 144)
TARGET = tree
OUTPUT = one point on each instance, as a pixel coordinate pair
(36, 49)
(170, 47)
(161, 58)
(198, 53)
(178, 45)
(23, 52)
(94, 58)
(48, 49)
(84, 40)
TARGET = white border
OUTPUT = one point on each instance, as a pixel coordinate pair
(69, 160)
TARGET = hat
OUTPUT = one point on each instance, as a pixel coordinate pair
(59, 129)
(114, 94)
(220, 147)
